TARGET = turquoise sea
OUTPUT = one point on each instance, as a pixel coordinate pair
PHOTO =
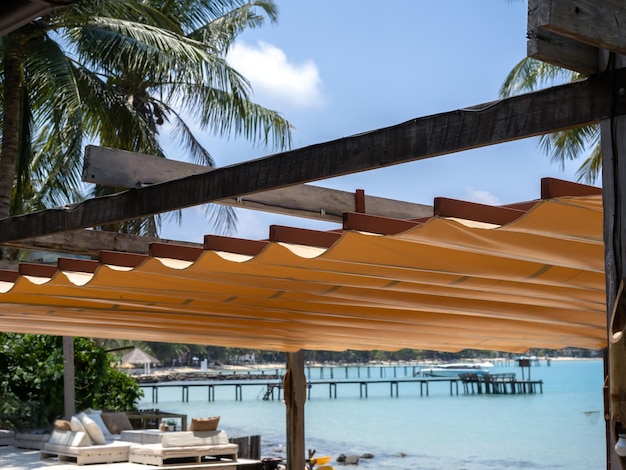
(562, 428)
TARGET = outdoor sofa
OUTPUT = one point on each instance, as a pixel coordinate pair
(87, 439)
(76, 446)
(202, 443)
(187, 446)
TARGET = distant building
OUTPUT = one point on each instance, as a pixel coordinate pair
(246, 359)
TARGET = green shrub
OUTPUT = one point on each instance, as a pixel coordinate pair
(31, 384)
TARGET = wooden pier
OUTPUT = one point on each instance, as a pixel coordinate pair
(471, 384)
(498, 384)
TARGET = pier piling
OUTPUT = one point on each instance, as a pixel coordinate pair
(490, 384)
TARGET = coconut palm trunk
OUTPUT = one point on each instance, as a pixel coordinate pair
(13, 89)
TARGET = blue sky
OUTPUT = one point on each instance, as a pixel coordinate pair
(337, 68)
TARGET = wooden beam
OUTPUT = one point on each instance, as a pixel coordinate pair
(562, 107)
(37, 270)
(599, 24)
(553, 187)
(170, 250)
(556, 49)
(560, 51)
(240, 246)
(446, 207)
(303, 236)
(295, 397)
(91, 242)
(115, 258)
(123, 169)
(375, 224)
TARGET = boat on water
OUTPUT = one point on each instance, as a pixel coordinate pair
(454, 369)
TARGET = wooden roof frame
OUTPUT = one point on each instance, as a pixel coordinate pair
(579, 103)
(353, 221)
(578, 34)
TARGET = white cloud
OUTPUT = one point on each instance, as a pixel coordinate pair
(275, 78)
(481, 196)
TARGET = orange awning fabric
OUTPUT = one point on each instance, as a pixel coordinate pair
(445, 284)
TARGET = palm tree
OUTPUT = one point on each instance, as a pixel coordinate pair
(115, 71)
(571, 144)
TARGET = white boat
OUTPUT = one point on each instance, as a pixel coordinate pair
(454, 369)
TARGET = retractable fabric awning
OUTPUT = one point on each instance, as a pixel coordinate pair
(446, 283)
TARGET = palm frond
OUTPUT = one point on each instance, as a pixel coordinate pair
(111, 44)
(51, 105)
(140, 11)
(531, 74)
(589, 170)
(113, 71)
(230, 114)
(222, 31)
(223, 218)
(196, 151)
(112, 119)
(194, 14)
(568, 144)
(57, 164)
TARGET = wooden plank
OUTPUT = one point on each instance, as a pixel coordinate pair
(562, 107)
(123, 169)
(316, 202)
(561, 51)
(553, 187)
(303, 236)
(600, 24)
(446, 207)
(554, 48)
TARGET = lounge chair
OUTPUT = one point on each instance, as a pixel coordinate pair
(187, 446)
(87, 439)
(77, 446)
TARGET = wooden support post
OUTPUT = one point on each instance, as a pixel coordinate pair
(68, 377)
(574, 33)
(295, 396)
(613, 135)
(598, 24)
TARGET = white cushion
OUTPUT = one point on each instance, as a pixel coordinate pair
(194, 438)
(92, 428)
(76, 425)
(69, 438)
(95, 415)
